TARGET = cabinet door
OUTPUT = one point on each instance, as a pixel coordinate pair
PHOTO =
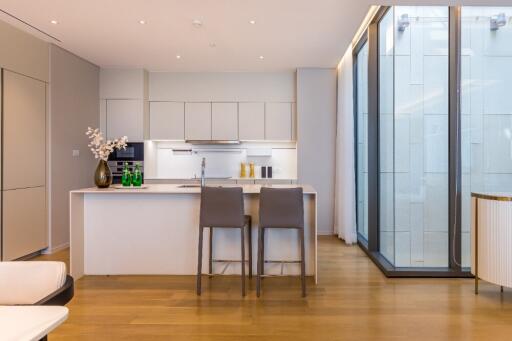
(251, 121)
(224, 121)
(24, 222)
(125, 117)
(278, 121)
(167, 120)
(198, 121)
(24, 159)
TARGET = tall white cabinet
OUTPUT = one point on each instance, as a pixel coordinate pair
(124, 108)
(24, 228)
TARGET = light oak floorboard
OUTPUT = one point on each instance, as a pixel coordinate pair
(352, 301)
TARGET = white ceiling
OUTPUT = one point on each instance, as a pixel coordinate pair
(288, 33)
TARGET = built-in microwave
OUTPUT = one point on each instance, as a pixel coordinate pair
(133, 154)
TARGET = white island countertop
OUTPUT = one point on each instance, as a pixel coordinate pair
(183, 189)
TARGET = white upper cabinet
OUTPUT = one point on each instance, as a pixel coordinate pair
(24, 129)
(167, 120)
(198, 121)
(278, 121)
(125, 117)
(224, 121)
(251, 121)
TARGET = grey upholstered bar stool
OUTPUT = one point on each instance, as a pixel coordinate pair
(281, 208)
(223, 207)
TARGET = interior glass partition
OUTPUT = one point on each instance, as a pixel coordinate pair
(413, 136)
(486, 107)
(362, 139)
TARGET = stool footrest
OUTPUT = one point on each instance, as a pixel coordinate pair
(283, 261)
(228, 261)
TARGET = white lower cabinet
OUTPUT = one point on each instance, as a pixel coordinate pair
(278, 121)
(125, 117)
(198, 121)
(167, 120)
(224, 121)
(24, 222)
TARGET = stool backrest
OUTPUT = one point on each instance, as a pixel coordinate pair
(282, 207)
(222, 207)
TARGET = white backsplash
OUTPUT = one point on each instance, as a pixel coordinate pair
(179, 160)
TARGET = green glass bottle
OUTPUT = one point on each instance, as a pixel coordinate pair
(137, 176)
(126, 178)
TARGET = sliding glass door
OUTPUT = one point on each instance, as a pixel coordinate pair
(486, 107)
(413, 139)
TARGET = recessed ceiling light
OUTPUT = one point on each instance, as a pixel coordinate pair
(55, 22)
(178, 56)
(197, 23)
(252, 22)
(142, 22)
(262, 57)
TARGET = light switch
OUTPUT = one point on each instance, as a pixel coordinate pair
(76, 153)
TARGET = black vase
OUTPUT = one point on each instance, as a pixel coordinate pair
(103, 175)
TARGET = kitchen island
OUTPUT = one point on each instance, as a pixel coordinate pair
(154, 231)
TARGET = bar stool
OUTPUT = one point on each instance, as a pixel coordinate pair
(223, 207)
(281, 208)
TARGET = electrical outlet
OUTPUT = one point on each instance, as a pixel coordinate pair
(76, 153)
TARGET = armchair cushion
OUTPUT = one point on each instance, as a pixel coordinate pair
(29, 282)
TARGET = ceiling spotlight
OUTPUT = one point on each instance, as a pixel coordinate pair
(262, 57)
(252, 22)
(197, 23)
(142, 22)
(55, 22)
(178, 56)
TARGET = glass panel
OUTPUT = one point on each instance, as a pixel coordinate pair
(486, 108)
(386, 132)
(413, 119)
(362, 140)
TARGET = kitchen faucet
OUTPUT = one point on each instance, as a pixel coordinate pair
(203, 166)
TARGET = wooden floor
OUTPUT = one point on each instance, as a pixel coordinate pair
(353, 301)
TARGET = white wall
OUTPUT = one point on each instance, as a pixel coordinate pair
(74, 98)
(222, 87)
(316, 138)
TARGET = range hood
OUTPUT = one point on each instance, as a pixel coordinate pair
(213, 142)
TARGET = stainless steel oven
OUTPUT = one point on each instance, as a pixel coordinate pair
(133, 154)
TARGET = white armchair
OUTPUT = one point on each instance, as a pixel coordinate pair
(29, 294)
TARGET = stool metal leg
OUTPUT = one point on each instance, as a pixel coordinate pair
(210, 265)
(199, 260)
(249, 232)
(302, 263)
(259, 261)
(242, 240)
(262, 251)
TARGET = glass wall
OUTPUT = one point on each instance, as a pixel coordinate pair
(413, 136)
(486, 108)
(362, 139)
